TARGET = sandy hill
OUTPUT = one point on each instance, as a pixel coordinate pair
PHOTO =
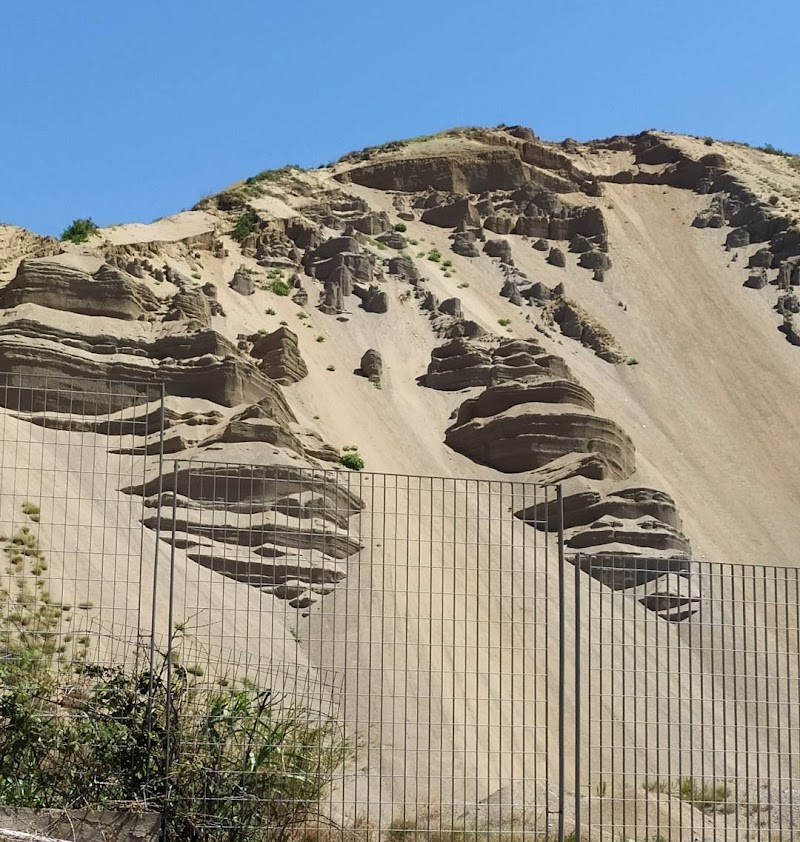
(619, 316)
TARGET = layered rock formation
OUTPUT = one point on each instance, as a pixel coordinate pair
(279, 356)
(532, 415)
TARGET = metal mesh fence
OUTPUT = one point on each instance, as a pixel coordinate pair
(75, 605)
(434, 608)
(693, 727)
(272, 652)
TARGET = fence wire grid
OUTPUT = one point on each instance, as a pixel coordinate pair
(432, 602)
(267, 652)
(692, 729)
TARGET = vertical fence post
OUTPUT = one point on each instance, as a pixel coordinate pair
(170, 642)
(154, 597)
(578, 563)
(562, 662)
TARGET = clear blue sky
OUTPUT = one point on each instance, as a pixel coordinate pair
(132, 110)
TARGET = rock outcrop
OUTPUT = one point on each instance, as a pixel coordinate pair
(56, 284)
(537, 415)
(372, 365)
(577, 324)
(268, 529)
(242, 282)
(533, 416)
(279, 357)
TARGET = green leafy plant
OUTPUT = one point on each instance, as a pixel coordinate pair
(400, 227)
(632, 361)
(281, 288)
(269, 311)
(245, 225)
(273, 175)
(320, 339)
(706, 797)
(79, 231)
(504, 322)
(353, 461)
(773, 150)
(32, 511)
(222, 762)
(434, 255)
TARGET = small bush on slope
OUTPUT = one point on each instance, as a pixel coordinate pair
(79, 231)
(245, 225)
(238, 767)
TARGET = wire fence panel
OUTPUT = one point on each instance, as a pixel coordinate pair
(75, 603)
(424, 601)
(269, 652)
(693, 727)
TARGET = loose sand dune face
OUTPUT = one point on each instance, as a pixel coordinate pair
(439, 614)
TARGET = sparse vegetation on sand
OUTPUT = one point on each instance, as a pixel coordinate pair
(351, 458)
(79, 231)
(703, 796)
(240, 767)
(245, 225)
(273, 175)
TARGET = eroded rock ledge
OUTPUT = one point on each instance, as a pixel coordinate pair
(527, 413)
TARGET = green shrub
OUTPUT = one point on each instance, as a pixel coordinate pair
(434, 255)
(269, 311)
(79, 231)
(280, 287)
(273, 175)
(705, 797)
(32, 511)
(400, 226)
(504, 322)
(320, 339)
(238, 766)
(245, 225)
(352, 461)
(709, 141)
(632, 361)
(773, 150)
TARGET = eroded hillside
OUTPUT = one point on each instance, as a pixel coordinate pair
(619, 316)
